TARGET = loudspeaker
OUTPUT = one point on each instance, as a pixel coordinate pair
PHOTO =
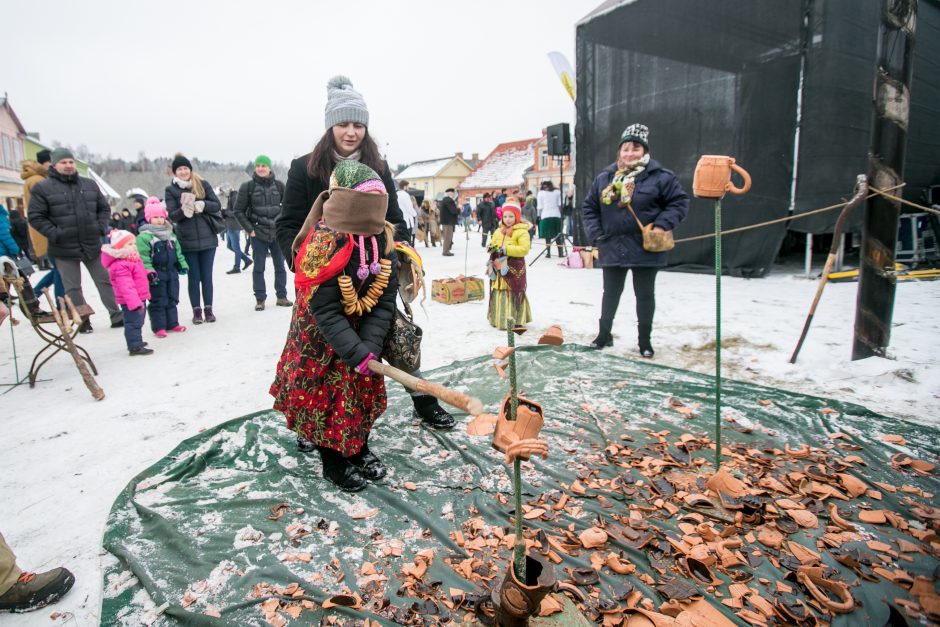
(559, 139)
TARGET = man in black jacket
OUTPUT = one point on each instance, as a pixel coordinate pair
(257, 207)
(233, 230)
(449, 215)
(486, 213)
(73, 214)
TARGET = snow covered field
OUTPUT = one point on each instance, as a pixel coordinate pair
(65, 456)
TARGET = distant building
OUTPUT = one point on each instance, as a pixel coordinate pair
(545, 167)
(505, 167)
(11, 154)
(430, 178)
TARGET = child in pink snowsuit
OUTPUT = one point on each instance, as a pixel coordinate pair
(131, 288)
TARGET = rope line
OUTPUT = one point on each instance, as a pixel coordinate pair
(875, 192)
(905, 202)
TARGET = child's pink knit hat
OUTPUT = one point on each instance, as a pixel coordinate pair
(154, 207)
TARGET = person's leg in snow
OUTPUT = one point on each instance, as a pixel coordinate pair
(644, 289)
(614, 278)
(23, 591)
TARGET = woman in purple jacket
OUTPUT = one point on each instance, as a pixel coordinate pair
(656, 197)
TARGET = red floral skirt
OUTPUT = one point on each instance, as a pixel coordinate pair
(324, 400)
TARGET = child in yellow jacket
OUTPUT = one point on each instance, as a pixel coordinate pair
(508, 248)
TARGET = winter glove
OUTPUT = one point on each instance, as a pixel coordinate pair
(188, 204)
(363, 368)
(152, 278)
(199, 206)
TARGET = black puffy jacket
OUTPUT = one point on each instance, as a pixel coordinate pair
(300, 192)
(72, 213)
(259, 204)
(195, 233)
(350, 345)
(228, 212)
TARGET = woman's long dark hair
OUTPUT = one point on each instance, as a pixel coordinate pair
(321, 162)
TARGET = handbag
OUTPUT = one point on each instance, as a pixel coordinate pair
(24, 266)
(403, 343)
(653, 241)
(574, 259)
(216, 222)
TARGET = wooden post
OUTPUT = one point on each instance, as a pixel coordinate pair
(62, 320)
(876, 284)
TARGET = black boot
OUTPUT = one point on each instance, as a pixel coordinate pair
(339, 471)
(304, 445)
(643, 339)
(368, 464)
(604, 339)
(431, 413)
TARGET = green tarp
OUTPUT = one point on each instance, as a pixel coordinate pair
(196, 528)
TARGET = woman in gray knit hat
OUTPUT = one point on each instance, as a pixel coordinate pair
(346, 137)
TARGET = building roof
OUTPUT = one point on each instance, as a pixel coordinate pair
(424, 169)
(5, 104)
(505, 166)
(106, 189)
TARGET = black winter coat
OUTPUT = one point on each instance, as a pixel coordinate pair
(20, 230)
(327, 304)
(195, 233)
(486, 213)
(449, 212)
(300, 192)
(658, 198)
(72, 213)
(259, 204)
(228, 212)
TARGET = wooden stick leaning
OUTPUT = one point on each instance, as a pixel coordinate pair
(60, 320)
(861, 190)
(461, 401)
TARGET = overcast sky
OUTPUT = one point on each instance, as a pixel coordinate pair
(226, 80)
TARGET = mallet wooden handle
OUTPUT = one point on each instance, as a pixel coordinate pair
(469, 404)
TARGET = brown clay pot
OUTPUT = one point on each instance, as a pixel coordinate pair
(516, 601)
(712, 177)
(553, 336)
(528, 423)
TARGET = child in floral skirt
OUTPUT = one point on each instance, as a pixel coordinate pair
(346, 286)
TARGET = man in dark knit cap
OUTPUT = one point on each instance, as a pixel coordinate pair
(72, 213)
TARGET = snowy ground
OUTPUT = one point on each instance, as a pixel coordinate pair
(65, 456)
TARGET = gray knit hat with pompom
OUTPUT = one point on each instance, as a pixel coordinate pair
(343, 103)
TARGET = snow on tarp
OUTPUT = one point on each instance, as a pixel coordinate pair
(236, 523)
(423, 169)
(504, 167)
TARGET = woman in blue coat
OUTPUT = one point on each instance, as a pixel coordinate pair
(654, 193)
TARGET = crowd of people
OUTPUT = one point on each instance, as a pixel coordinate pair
(344, 230)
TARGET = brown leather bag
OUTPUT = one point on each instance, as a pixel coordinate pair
(653, 241)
